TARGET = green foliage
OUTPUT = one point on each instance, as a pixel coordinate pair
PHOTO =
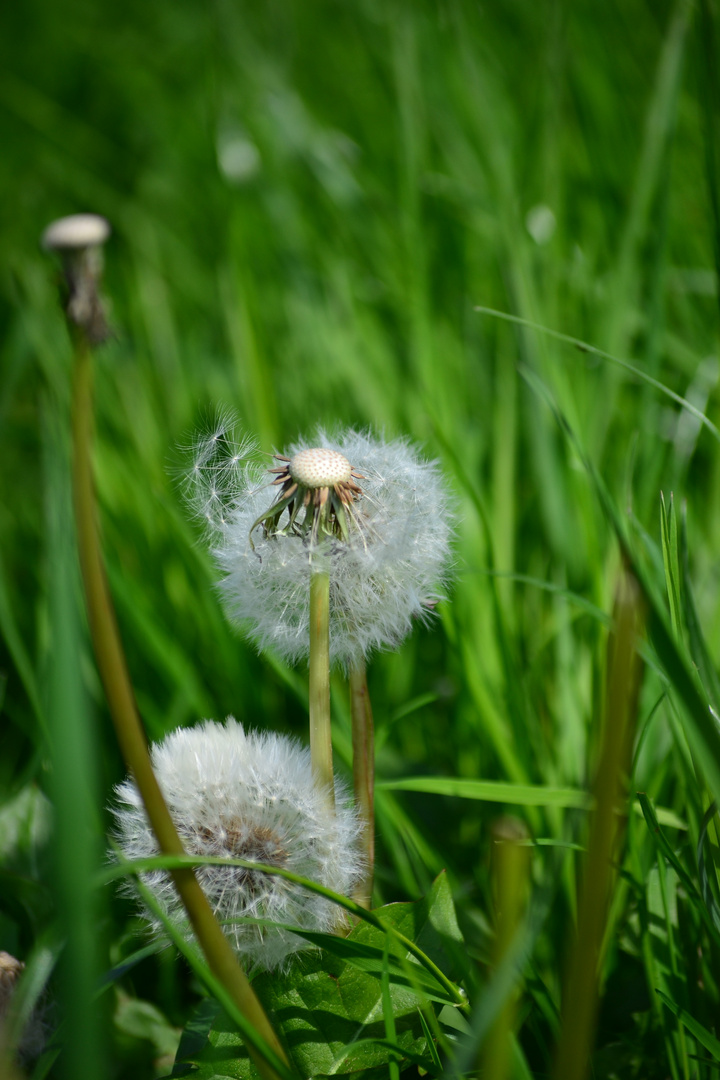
(316, 211)
(332, 1006)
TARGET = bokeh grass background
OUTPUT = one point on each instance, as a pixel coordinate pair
(309, 202)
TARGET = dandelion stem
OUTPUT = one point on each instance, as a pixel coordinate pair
(363, 740)
(128, 727)
(320, 731)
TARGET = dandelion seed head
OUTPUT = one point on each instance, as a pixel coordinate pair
(379, 514)
(248, 795)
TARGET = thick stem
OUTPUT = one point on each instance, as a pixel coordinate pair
(363, 740)
(510, 870)
(320, 730)
(128, 727)
(580, 997)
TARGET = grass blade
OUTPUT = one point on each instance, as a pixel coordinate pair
(703, 1036)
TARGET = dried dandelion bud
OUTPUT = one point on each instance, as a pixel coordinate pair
(76, 232)
(248, 795)
(376, 511)
(78, 240)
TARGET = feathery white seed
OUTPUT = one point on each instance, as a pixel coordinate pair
(249, 795)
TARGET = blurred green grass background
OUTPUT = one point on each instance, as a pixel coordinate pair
(308, 203)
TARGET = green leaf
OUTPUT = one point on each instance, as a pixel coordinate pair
(143, 1020)
(194, 1037)
(665, 847)
(25, 900)
(701, 726)
(584, 347)
(703, 1036)
(708, 884)
(514, 794)
(128, 963)
(371, 959)
(492, 791)
(25, 826)
(432, 1049)
(10, 633)
(136, 866)
(668, 532)
(211, 982)
(323, 1007)
(332, 1006)
(389, 1014)
(698, 648)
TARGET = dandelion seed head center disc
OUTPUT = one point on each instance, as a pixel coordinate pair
(318, 468)
(243, 840)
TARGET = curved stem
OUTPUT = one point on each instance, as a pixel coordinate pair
(129, 730)
(363, 741)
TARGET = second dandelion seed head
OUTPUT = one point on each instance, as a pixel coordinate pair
(250, 796)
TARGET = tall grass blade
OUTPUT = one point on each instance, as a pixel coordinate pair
(696, 1029)
(668, 532)
(709, 679)
(74, 782)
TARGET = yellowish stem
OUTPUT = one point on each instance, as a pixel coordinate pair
(320, 730)
(580, 997)
(128, 727)
(363, 740)
(511, 865)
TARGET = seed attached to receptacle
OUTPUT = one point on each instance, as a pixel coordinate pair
(320, 481)
(317, 468)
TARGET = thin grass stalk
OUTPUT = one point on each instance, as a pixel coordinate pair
(159, 862)
(673, 954)
(320, 729)
(363, 743)
(128, 727)
(582, 985)
(511, 865)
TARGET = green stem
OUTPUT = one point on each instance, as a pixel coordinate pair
(128, 727)
(363, 742)
(320, 731)
(511, 870)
